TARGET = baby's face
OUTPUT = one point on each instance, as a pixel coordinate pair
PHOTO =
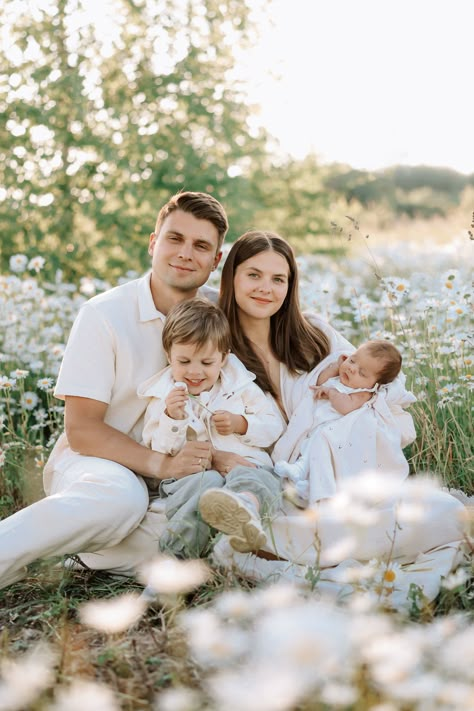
(360, 370)
(198, 367)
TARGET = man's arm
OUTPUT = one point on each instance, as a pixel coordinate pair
(89, 435)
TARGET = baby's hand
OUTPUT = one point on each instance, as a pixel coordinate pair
(227, 423)
(320, 392)
(176, 402)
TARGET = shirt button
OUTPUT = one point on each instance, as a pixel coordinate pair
(246, 440)
(174, 428)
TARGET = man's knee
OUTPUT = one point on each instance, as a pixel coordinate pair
(125, 492)
(113, 491)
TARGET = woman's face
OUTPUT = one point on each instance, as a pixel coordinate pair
(261, 284)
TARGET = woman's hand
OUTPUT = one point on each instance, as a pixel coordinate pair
(223, 462)
(176, 402)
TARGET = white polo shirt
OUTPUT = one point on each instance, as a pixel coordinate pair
(114, 345)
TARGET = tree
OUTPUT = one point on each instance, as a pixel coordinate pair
(97, 132)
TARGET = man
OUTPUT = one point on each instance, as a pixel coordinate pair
(94, 497)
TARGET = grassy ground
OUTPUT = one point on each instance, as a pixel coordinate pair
(139, 664)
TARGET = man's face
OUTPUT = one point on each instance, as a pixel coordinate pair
(184, 252)
(198, 367)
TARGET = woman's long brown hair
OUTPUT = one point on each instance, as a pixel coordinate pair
(294, 341)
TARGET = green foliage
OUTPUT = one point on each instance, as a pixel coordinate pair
(104, 134)
(415, 192)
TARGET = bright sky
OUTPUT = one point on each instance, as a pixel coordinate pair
(370, 82)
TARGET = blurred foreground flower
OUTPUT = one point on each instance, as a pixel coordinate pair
(170, 576)
(179, 699)
(114, 615)
(23, 680)
(85, 696)
(18, 262)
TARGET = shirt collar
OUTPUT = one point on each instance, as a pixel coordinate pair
(146, 305)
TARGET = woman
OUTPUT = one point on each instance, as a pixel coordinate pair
(275, 340)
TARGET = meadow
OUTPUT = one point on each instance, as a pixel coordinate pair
(78, 640)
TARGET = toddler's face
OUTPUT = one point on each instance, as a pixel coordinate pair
(360, 370)
(199, 368)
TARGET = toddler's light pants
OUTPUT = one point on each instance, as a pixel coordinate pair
(186, 533)
(92, 503)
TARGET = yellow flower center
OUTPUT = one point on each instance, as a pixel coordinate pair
(389, 576)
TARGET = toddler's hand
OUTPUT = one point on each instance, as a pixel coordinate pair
(176, 402)
(227, 423)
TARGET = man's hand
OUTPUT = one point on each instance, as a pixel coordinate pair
(223, 462)
(194, 457)
(176, 402)
(89, 435)
(227, 423)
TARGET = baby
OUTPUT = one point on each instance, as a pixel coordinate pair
(342, 387)
(206, 393)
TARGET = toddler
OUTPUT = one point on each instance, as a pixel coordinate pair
(206, 393)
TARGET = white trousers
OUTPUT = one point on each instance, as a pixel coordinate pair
(92, 503)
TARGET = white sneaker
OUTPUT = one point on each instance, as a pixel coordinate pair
(258, 569)
(294, 472)
(235, 515)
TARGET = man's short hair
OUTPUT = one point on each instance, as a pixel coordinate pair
(390, 357)
(197, 321)
(202, 206)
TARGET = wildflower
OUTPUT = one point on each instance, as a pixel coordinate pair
(44, 383)
(234, 605)
(18, 374)
(178, 699)
(25, 679)
(114, 615)
(448, 388)
(7, 383)
(263, 690)
(18, 262)
(40, 415)
(2, 457)
(170, 576)
(29, 400)
(457, 653)
(455, 580)
(214, 643)
(400, 286)
(36, 263)
(456, 310)
(81, 695)
(87, 286)
(336, 694)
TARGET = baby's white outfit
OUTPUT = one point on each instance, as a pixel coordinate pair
(334, 447)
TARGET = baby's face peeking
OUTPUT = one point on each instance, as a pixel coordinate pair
(360, 370)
